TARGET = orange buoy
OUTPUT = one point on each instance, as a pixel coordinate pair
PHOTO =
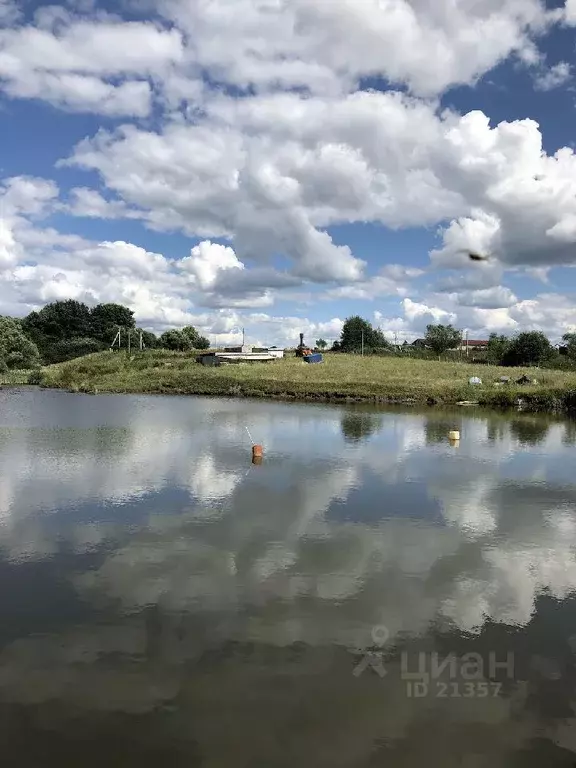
(256, 451)
(257, 460)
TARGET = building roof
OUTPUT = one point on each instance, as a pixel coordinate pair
(476, 342)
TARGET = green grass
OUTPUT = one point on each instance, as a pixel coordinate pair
(14, 377)
(340, 377)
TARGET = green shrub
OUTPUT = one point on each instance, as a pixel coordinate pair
(35, 376)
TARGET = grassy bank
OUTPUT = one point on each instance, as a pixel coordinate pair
(340, 377)
(15, 377)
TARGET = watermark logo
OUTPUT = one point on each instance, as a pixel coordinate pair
(446, 675)
(374, 659)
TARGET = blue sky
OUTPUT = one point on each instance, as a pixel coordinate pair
(279, 167)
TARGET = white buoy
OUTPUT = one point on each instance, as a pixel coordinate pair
(454, 435)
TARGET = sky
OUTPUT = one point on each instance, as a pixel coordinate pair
(279, 165)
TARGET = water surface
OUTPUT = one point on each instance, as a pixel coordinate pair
(166, 602)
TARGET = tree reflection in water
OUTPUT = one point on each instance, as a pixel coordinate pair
(529, 431)
(358, 426)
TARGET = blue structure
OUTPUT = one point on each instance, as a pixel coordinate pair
(315, 357)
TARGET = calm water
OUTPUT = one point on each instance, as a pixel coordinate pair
(368, 596)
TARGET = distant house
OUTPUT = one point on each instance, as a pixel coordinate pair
(420, 343)
(245, 349)
(474, 344)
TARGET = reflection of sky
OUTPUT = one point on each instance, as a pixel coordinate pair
(345, 499)
(400, 498)
(118, 512)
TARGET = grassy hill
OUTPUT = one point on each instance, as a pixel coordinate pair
(340, 377)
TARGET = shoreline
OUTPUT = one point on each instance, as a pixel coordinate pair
(342, 379)
(528, 402)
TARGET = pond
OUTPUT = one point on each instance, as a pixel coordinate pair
(368, 595)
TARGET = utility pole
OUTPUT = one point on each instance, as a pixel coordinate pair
(114, 342)
(140, 341)
(128, 341)
(466, 342)
(362, 343)
(243, 336)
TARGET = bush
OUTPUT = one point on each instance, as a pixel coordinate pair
(16, 349)
(35, 376)
(528, 348)
(68, 349)
(561, 363)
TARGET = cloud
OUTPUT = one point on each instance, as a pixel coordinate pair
(272, 172)
(90, 204)
(306, 147)
(487, 298)
(82, 93)
(207, 260)
(391, 280)
(483, 276)
(424, 314)
(554, 77)
(69, 65)
(27, 195)
(275, 171)
(522, 201)
(105, 48)
(225, 282)
(327, 47)
(570, 12)
(214, 290)
(9, 12)
(205, 289)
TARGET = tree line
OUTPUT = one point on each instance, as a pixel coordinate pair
(526, 348)
(63, 330)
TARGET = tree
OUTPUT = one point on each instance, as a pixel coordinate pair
(58, 320)
(357, 332)
(321, 344)
(63, 330)
(105, 319)
(379, 341)
(174, 340)
(196, 340)
(68, 349)
(149, 339)
(528, 348)
(16, 349)
(497, 348)
(441, 338)
(570, 340)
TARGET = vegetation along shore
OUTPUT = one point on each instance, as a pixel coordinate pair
(67, 344)
(341, 378)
